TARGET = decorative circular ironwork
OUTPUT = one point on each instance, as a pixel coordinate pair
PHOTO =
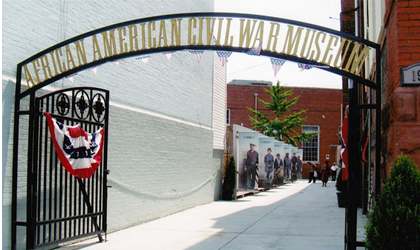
(63, 104)
(82, 104)
(98, 107)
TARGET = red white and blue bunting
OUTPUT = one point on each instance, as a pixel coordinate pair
(303, 66)
(344, 152)
(256, 51)
(197, 54)
(144, 59)
(223, 57)
(79, 152)
(276, 64)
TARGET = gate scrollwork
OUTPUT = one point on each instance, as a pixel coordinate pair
(61, 206)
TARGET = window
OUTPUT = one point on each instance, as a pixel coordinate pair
(228, 116)
(311, 148)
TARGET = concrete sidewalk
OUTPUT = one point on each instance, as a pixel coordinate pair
(294, 216)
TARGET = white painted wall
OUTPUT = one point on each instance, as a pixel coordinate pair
(219, 103)
(374, 12)
(165, 166)
(165, 144)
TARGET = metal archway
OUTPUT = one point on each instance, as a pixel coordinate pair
(328, 49)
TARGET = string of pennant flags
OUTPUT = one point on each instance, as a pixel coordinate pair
(223, 57)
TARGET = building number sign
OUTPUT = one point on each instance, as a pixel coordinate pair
(411, 75)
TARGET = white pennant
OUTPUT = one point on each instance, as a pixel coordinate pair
(70, 77)
(168, 55)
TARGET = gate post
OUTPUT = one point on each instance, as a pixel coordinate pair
(31, 175)
(353, 168)
(15, 157)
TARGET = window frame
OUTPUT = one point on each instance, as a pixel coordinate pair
(318, 130)
(228, 115)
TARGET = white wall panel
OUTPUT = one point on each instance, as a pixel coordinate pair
(219, 104)
(165, 120)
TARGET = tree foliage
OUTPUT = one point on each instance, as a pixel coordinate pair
(395, 220)
(282, 127)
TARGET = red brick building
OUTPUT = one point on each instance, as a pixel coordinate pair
(395, 25)
(323, 114)
(401, 104)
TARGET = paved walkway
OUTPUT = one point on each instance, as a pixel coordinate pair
(294, 216)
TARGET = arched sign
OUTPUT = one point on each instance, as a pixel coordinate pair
(328, 49)
(331, 50)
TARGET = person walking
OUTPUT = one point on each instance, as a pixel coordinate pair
(334, 169)
(325, 173)
(312, 172)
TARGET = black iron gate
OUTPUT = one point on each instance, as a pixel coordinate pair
(59, 206)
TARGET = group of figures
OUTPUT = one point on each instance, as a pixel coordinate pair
(277, 169)
(323, 173)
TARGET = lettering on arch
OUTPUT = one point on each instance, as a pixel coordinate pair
(228, 31)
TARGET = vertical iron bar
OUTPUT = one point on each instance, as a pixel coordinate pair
(70, 203)
(42, 162)
(75, 199)
(378, 123)
(16, 118)
(79, 212)
(37, 152)
(56, 201)
(89, 206)
(101, 193)
(38, 214)
(66, 229)
(95, 186)
(61, 202)
(44, 202)
(75, 193)
(50, 202)
(105, 164)
(73, 202)
(94, 199)
(54, 161)
(86, 221)
(353, 168)
(31, 194)
(369, 200)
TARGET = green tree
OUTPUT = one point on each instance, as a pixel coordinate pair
(395, 220)
(282, 127)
